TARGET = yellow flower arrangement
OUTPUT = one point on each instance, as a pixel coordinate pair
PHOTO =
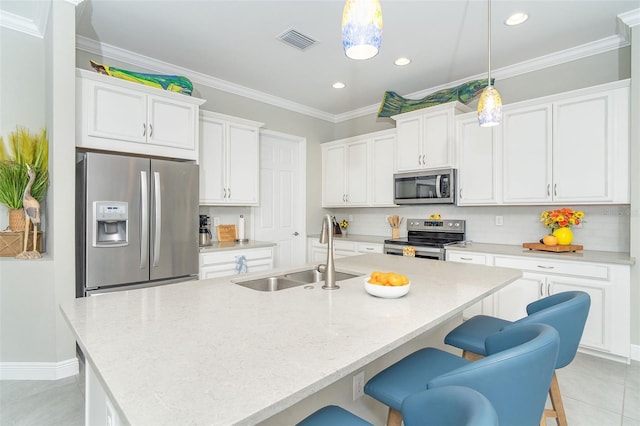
(561, 218)
(344, 224)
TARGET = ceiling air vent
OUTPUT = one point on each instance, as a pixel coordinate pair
(296, 39)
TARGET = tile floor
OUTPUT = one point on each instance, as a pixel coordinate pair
(596, 392)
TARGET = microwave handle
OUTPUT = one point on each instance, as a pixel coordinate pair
(438, 192)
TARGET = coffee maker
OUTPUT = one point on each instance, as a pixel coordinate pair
(205, 237)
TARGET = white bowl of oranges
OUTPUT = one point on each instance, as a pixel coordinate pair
(388, 285)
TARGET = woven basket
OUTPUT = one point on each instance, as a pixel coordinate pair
(17, 220)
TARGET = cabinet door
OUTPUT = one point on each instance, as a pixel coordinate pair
(357, 168)
(526, 145)
(116, 113)
(212, 161)
(582, 154)
(409, 144)
(333, 172)
(595, 334)
(171, 123)
(478, 158)
(243, 165)
(382, 166)
(511, 302)
(437, 139)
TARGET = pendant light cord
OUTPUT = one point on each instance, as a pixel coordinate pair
(489, 43)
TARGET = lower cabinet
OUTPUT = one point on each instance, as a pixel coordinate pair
(317, 252)
(607, 331)
(224, 263)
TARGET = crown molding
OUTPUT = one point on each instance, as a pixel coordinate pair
(106, 50)
(557, 58)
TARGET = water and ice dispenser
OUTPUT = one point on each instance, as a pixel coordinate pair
(110, 223)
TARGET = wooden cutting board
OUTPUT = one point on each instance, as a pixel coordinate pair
(227, 233)
(558, 248)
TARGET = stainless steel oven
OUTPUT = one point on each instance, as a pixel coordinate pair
(427, 238)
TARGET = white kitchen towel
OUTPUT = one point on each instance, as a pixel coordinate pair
(241, 265)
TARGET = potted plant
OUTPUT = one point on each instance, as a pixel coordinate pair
(23, 148)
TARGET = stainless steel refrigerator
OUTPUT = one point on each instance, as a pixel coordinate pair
(136, 222)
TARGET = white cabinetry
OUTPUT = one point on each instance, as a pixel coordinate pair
(317, 252)
(425, 138)
(358, 171)
(229, 160)
(607, 331)
(478, 160)
(118, 115)
(485, 306)
(572, 148)
(223, 263)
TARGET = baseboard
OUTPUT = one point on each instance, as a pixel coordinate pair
(635, 352)
(38, 370)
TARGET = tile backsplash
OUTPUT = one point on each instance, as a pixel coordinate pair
(604, 228)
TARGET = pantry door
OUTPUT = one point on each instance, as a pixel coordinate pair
(281, 216)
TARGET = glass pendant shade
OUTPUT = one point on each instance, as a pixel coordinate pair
(361, 28)
(489, 107)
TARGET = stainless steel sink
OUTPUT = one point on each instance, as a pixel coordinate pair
(314, 276)
(270, 283)
(290, 280)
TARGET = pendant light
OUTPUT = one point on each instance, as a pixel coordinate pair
(490, 103)
(361, 28)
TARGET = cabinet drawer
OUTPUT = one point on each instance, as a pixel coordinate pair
(578, 269)
(215, 258)
(369, 248)
(345, 245)
(476, 258)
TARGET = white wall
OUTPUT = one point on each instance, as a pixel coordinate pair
(635, 188)
(31, 326)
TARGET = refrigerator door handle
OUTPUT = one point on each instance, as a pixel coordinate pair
(144, 220)
(158, 213)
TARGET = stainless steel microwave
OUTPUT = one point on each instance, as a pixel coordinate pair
(436, 186)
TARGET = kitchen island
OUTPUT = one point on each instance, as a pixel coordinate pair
(213, 352)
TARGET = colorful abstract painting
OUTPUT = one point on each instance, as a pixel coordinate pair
(172, 83)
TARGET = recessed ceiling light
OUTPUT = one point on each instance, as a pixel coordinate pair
(402, 61)
(339, 85)
(516, 19)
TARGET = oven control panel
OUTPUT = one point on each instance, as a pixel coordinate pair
(454, 225)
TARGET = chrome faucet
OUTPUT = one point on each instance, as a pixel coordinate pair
(329, 268)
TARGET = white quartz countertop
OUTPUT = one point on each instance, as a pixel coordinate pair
(233, 245)
(212, 352)
(511, 250)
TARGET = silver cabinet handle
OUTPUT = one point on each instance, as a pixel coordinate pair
(228, 192)
(466, 258)
(224, 193)
(555, 189)
(144, 220)
(419, 163)
(541, 289)
(150, 130)
(424, 159)
(460, 192)
(546, 267)
(295, 234)
(548, 190)
(548, 289)
(144, 129)
(158, 212)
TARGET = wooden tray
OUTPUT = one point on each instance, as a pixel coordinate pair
(557, 248)
(227, 233)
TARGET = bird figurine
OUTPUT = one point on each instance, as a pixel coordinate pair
(32, 214)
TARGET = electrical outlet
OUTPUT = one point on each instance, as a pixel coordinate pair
(216, 220)
(358, 385)
(499, 220)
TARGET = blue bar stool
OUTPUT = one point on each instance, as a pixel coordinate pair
(567, 312)
(445, 406)
(514, 376)
(448, 406)
(333, 415)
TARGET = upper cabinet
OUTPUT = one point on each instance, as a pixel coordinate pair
(229, 160)
(358, 171)
(118, 115)
(571, 148)
(426, 137)
(478, 160)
